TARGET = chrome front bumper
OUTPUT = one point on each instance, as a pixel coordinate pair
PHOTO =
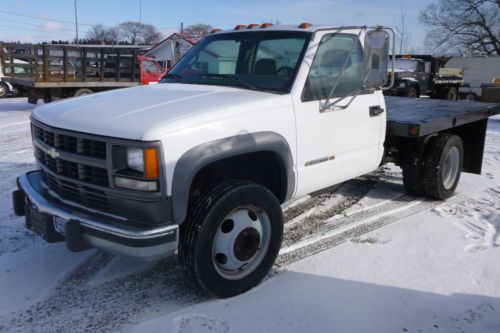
(100, 231)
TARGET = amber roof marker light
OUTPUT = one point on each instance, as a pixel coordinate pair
(240, 26)
(215, 30)
(304, 25)
(251, 26)
(266, 25)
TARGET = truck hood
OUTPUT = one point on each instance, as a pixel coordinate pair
(130, 113)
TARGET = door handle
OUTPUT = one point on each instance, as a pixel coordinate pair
(376, 110)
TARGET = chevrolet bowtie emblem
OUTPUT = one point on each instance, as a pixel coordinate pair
(53, 153)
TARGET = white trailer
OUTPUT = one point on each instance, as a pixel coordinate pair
(479, 72)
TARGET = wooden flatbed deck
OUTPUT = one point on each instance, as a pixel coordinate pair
(417, 117)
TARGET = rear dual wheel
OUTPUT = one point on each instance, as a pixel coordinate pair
(232, 238)
(438, 174)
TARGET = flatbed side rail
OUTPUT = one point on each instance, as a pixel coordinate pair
(48, 63)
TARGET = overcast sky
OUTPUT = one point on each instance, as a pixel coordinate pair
(167, 15)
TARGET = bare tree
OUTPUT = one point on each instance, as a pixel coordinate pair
(101, 34)
(463, 25)
(130, 32)
(403, 35)
(150, 35)
(139, 33)
(199, 29)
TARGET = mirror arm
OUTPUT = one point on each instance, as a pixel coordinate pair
(355, 93)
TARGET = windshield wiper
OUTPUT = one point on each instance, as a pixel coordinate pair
(233, 79)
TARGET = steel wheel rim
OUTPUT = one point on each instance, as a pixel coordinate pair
(451, 167)
(241, 242)
(3, 91)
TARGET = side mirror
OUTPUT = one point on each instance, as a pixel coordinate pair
(376, 58)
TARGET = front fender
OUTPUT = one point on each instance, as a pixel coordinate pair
(202, 155)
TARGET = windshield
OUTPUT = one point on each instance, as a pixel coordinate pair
(264, 61)
(406, 65)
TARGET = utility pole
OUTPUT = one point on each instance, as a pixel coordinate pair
(76, 24)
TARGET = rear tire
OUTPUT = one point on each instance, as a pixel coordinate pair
(231, 238)
(412, 179)
(442, 167)
(82, 92)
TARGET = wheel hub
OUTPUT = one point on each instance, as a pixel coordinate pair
(241, 242)
(247, 244)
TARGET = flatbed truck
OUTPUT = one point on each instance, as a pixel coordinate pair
(199, 165)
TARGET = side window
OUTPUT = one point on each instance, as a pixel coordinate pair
(332, 53)
(420, 67)
(277, 56)
(150, 66)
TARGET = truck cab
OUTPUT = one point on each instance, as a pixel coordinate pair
(6, 88)
(411, 77)
(200, 163)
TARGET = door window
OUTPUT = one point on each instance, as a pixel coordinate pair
(332, 54)
(150, 67)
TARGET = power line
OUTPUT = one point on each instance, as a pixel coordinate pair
(36, 30)
(31, 24)
(45, 18)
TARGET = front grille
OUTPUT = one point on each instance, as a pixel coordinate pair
(70, 143)
(83, 195)
(85, 173)
(64, 159)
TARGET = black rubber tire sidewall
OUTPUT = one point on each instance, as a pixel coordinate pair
(410, 90)
(82, 92)
(434, 164)
(6, 89)
(452, 94)
(197, 247)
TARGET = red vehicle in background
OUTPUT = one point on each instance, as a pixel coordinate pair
(151, 70)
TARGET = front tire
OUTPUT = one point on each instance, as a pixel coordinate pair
(231, 238)
(452, 94)
(443, 166)
(4, 89)
(411, 92)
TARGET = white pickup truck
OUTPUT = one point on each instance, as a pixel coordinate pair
(247, 120)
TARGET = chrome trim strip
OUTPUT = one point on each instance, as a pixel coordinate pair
(45, 206)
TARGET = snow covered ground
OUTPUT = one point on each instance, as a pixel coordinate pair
(365, 257)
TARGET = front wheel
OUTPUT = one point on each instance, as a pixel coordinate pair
(452, 94)
(411, 92)
(4, 89)
(231, 238)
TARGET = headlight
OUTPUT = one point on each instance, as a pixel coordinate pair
(137, 168)
(402, 84)
(135, 159)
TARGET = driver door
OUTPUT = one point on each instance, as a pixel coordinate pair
(338, 144)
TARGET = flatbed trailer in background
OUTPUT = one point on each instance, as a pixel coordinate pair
(52, 72)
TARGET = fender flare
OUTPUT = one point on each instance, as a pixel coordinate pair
(192, 161)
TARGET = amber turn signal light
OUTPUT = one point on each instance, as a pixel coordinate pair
(151, 170)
